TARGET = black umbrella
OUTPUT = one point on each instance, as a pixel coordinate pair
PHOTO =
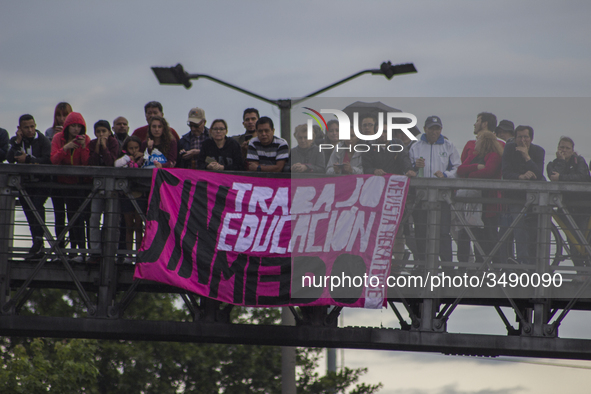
(374, 108)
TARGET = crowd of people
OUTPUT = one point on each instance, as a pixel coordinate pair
(497, 151)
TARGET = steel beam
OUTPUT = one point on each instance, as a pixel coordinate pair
(307, 336)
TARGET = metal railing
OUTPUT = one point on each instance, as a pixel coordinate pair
(558, 245)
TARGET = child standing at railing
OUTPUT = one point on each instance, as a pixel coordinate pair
(132, 157)
(103, 152)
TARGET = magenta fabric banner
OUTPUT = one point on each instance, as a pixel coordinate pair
(273, 242)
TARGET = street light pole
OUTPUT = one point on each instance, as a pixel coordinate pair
(178, 76)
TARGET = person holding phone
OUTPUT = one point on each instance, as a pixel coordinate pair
(62, 110)
(59, 117)
(70, 147)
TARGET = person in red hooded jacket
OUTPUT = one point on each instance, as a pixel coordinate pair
(70, 147)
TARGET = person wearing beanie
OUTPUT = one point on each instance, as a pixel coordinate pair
(70, 147)
(103, 152)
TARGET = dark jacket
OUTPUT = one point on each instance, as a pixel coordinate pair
(229, 155)
(3, 144)
(514, 165)
(37, 149)
(311, 157)
(185, 144)
(105, 157)
(573, 170)
(241, 139)
(390, 162)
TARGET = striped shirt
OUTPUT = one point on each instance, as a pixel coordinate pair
(267, 155)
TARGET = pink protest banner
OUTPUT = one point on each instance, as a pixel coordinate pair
(273, 241)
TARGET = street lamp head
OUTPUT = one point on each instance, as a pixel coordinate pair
(172, 76)
(390, 70)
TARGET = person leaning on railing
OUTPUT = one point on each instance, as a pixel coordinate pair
(219, 152)
(484, 162)
(160, 145)
(523, 161)
(346, 158)
(306, 157)
(571, 167)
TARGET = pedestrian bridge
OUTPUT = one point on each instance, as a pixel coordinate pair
(540, 295)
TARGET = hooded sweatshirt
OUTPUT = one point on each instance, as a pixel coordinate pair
(75, 157)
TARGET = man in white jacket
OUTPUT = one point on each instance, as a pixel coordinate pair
(438, 158)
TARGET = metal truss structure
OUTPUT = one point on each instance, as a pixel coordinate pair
(107, 288)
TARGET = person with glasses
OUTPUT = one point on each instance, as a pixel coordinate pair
(218, 152)
(190, 144)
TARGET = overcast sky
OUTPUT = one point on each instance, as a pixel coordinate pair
(97, 56)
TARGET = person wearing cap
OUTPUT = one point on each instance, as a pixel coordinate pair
(505, 130)
(439, 158)
(120, 129)
(190, 144)
(30, 146)
(103, 150)
(485, 121)
(153, 108)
